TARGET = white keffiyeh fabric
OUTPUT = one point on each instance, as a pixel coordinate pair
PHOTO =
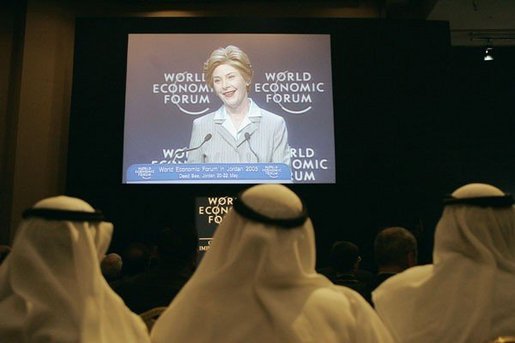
(468, 293)
(257, 283)
(51, 286)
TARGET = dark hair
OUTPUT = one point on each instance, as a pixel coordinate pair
(392, 244)
(344, 255)
(111, 266)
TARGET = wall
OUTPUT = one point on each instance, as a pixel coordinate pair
(8, 84)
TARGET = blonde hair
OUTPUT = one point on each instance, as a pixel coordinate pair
(233, 56)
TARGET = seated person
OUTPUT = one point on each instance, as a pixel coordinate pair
(257, 283)
(176, 260)
(136, 258)
(111, 267)
(395, 249)
(345, 261)
(51, 286)
(467, 294)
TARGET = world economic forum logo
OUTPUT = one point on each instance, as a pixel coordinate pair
(144, 172)
(271, 171)
(186, 90)
(290, 90)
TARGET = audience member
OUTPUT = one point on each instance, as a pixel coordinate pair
(111, 267)
(51, 286)
(467, 294)
(257, 283)
(345, 262)
(136, 259)
(395, 249)
(176, 259)
(4, 252)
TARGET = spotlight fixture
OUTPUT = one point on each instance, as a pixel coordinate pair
(489, 39)
(489, 54)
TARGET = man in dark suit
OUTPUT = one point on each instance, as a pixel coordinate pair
(345, 269)
(395, 249)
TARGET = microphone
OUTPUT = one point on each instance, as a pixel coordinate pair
(206, 138)
(247, 138)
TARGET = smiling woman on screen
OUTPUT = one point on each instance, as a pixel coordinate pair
(239, 131)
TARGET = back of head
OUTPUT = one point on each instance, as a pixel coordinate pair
(475, 243)
(259, 271)
(54, 270)
(282, 207)
(55, 221)
(344, 256)
(478, 222)
(111, 266)
(467, 293)
(259, 232)
(62, 202)
(392, 246)
(466, 193)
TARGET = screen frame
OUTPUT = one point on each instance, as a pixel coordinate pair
(385, 73)
(158, 122)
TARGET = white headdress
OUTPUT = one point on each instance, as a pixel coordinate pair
(257, 283)
(51, 286)
(467, 294)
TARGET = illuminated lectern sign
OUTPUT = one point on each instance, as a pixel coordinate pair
(209, 214)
